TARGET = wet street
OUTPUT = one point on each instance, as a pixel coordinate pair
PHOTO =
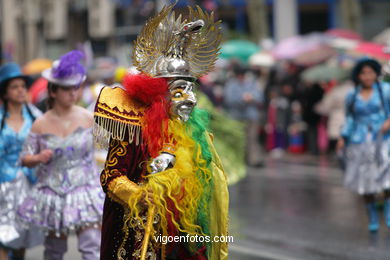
(297, 208)
(294, 208)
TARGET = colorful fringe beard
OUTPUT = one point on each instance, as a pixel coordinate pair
(181, 195)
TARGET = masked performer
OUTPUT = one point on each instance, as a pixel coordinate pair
(162, 175)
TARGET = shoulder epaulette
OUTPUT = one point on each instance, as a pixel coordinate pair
(117, 116)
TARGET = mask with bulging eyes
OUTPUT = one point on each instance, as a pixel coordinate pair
(183, 99)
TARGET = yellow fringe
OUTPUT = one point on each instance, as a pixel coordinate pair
(180, 184)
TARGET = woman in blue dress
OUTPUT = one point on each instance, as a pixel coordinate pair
(16, 118)
(364, 131)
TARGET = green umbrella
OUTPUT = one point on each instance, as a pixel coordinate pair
(324, 72)
(239, 49)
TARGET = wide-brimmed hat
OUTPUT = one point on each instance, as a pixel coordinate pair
(67, 71)
(11, 71)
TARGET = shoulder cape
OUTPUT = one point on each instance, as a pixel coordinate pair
(117, 116)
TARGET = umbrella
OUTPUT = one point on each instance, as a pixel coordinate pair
(343, 44)
(36, 66)
(291, 47)
(312, 57)
(344, 33)
(288, 48)
(325, 72)
(375, 50)
(263, 59)
(240, 49)
(383, 37)
(38, 90)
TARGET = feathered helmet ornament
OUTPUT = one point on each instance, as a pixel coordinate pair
(67, 71)
(170, 46)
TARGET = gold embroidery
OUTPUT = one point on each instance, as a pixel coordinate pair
(117, 116)
(104, 178)
(119, 189)
(121, 250)
(105, 111)
(149, 249)
(121, 253)
(107, 174)
(117, 148)
(119, 99)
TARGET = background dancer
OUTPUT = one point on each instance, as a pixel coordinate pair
(16, 117)
(67, 196)
(367, 120)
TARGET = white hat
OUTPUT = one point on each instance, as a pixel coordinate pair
(67, 71)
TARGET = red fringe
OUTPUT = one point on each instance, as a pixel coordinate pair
(152, 92)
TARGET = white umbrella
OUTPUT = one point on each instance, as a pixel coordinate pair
(344, 44)
(383, 37)
(262, 59)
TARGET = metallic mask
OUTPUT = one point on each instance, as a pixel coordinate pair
(183, 99)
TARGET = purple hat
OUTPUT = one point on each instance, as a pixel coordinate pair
(67, 71)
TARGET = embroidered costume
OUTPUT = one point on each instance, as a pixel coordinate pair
(162, 175)
(68, 196)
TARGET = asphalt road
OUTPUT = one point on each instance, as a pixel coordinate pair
(293, 208)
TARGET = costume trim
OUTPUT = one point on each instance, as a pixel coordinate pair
(117, 116)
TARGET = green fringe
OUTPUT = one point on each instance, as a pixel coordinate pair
(198, 125)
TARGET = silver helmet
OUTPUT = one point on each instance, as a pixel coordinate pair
(169, 46)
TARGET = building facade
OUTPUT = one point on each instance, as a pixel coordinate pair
(47, 28)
